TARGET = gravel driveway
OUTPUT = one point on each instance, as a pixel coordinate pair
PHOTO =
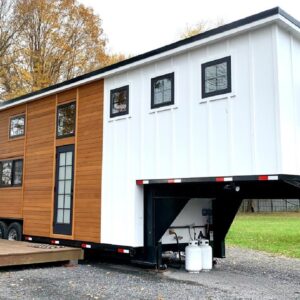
(244, 274)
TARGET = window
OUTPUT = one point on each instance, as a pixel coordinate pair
(17, 126)
(216, 77)
(119, 101)
(162, 90)
(11, 173)
(66, 118)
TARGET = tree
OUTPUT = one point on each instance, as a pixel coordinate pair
(9, 29)
(204, 25)
(59, 39)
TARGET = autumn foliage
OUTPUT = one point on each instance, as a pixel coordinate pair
(48, 41)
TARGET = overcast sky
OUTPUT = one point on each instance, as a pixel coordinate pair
(136, 26)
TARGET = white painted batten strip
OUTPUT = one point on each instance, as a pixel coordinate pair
(153, 58)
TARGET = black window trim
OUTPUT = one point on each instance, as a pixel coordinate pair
(122, 113)
(153, 80)
(18, 135)
(228, 90)
(13, 161)
(62, 106)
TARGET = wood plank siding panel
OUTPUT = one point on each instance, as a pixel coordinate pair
(38, 184)
(89, 162)
(10, 198)
(10, 148)
(38, 148)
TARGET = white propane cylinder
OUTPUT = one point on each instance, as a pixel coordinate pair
(206, 255)
(193, 257)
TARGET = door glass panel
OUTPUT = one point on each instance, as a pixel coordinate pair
(68, 187)
(67, 216)
(60, 201)
(67, 201)
(68, 172)
(61, 187)
(60, 215)
(62, 171)
(69, 158)
(62, 159)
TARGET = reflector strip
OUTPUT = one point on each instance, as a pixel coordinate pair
(28, 238)
(273, 177)
(263, 177)
(87, 246)
(124, 251)
(228, 179)
(141, 182)
(55, 242)
(219, 179)
(174, 180)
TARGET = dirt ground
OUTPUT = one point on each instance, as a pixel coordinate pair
(244, 274)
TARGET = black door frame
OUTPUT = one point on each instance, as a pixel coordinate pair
(65, 229)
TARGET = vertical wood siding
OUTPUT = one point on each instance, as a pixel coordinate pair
(89, 162)
(38, 148)
(10, 198)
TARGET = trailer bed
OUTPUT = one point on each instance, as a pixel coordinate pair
(13, 253)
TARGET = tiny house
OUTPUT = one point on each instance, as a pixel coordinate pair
(144, 155)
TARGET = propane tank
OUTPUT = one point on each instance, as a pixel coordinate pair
(193, 257)
(206, 255)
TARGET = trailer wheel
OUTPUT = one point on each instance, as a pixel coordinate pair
(3, 230)
(14, 232)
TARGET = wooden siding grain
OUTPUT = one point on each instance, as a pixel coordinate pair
(38, 185)
(10, 148)
(89, 162)
(11, 203)
(39, 149)
(10, 198)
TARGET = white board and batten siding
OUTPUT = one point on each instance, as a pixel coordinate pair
(251, 131)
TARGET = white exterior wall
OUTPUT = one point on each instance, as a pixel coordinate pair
(235, 134)
(288, 61)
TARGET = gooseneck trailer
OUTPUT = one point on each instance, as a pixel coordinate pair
(144, 155)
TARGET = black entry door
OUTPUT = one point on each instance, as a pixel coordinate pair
(63, 205)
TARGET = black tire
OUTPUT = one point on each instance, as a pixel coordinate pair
(14, 232)
(3, 230)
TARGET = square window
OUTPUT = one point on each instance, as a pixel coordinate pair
(66, 118)
(162, 90)
(11, 173)
(216, 77)
(119, 101)
(17, 126)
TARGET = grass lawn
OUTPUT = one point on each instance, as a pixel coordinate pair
(277, 233)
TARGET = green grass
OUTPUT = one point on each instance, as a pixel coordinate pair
(277, 233)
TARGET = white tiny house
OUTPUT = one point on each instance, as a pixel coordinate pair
(163, 146)
(247, 124)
